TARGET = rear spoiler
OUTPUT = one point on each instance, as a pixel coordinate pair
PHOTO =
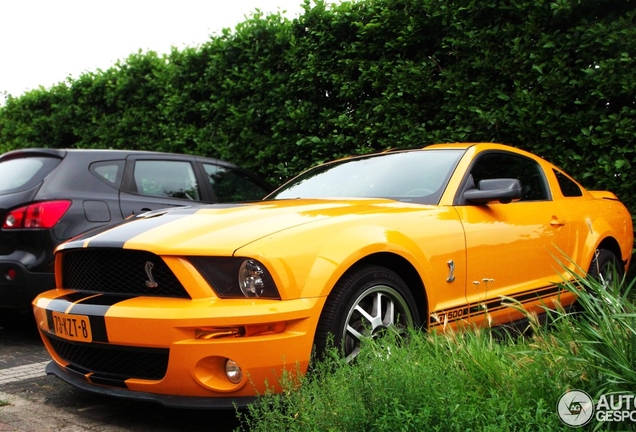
(604, 195)
(32, 152)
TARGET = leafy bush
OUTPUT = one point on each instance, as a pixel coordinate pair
(553, 77)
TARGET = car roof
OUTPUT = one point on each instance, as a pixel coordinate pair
(99, 153)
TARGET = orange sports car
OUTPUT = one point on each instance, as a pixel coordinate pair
(205, 306)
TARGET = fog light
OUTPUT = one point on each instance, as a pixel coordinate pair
(233, 371)
(11, 274)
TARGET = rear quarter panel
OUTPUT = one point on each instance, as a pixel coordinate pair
(593, 217)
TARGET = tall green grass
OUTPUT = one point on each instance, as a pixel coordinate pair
(466, 381)
(599, 340)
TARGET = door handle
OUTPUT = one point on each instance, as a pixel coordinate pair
(143, 210)
(557, 221)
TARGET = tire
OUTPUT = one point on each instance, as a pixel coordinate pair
(351, 312)
(605, 267)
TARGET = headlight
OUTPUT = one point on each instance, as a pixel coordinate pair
(250, 279)
(236, 277)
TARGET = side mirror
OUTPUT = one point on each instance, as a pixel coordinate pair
(495, 190)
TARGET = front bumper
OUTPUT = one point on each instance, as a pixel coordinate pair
(195, 337)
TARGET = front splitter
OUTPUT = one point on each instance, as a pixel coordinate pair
(170, 401)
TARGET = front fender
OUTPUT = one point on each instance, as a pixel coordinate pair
(311, 267)
(308, 262)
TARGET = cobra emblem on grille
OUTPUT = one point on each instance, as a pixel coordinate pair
(150, 283)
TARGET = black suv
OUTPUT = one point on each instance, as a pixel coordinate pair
(49, 195)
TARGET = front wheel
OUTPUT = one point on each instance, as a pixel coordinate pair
(364, 304)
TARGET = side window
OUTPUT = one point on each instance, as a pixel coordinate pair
(504, 165)
(567, 186)
(232, 186)
(168, 179)
(109, 172)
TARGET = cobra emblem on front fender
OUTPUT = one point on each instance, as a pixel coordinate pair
(150, 283)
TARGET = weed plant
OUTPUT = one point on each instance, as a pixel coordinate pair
(473, 380)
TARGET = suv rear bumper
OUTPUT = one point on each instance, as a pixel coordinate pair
(18, 292)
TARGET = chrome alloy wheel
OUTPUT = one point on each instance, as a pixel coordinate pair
(374, 311)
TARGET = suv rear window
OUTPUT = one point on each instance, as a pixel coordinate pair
(24, 173)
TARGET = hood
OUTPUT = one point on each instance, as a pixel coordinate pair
(221, 229)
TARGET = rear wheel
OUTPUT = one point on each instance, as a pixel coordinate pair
(365, 304)
(605, 267)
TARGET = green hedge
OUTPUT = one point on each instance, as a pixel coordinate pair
(277, 96)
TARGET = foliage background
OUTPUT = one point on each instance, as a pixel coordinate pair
(276, 96)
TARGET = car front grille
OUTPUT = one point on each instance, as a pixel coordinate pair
(114, 361)
(119, 272)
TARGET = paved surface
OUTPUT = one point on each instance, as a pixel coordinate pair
(21, 373)
(33, 401)
(23, 415)
(20, 414)
(30, 400)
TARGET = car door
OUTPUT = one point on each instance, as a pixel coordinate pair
(513, 249)
(152, 182)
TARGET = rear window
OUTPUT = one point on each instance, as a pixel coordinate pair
(24, 173)
(567, 186)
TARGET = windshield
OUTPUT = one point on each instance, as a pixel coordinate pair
(418, 176)
(24, 173)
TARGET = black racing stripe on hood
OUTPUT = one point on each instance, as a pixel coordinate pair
(79, 240)
(116, 235)
(119, 234)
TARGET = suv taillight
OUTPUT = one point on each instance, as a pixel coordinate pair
(44, 214)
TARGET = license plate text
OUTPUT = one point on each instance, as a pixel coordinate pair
(72, 327)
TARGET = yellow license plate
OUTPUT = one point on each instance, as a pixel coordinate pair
(72, 327)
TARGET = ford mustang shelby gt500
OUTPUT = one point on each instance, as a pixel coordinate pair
(207, 305)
